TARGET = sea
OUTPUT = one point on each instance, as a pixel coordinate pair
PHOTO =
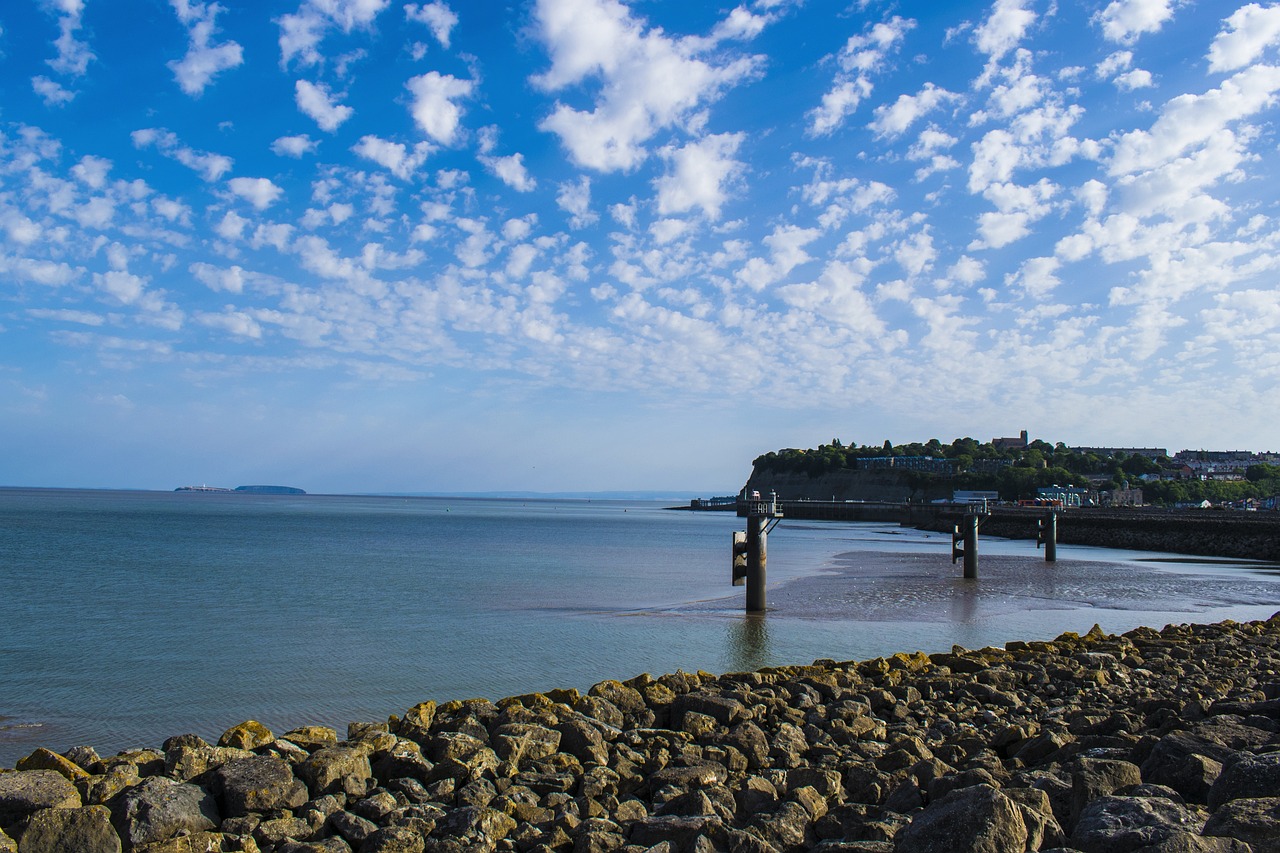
(127, 617)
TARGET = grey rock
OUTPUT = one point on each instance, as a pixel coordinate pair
(257, 784)
(1121, 824)
(393, 839)
(82, 830)
(1186, 763)
(678, 831)
(516, 742)
(1253, 820)
(28, 791)
(1095, 778)
(1250, 776)
(326, 845)
(979, 819)
(160, 808)
(352, 828)
(337, 769)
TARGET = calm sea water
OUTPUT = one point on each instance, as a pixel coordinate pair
(127, 617)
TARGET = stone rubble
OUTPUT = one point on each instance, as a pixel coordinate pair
(1154, 741)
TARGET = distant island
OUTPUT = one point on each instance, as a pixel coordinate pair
(252, 490)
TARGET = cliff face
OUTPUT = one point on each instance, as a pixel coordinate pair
(843, 485)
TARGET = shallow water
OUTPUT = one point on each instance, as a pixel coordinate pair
(127, 617)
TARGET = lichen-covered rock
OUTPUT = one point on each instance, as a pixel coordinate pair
(185, 762)
(26, 792)
(83, 830)
(516, 742)
(311, 738)
(257, 784)
(44, 759)
(250, 735)
(337, 769)
(159, 809)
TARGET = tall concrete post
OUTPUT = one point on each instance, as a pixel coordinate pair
(971, 546)
(757, 537)
(1051, 537)
(750, 548)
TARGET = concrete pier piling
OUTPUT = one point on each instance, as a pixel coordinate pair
(750, 547)
(1048, 536)
(964, 541)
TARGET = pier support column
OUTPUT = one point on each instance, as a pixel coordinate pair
(1048, 536)
(757, 537)
(964, 544)
(750, 548)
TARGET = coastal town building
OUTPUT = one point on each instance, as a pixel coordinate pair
(930, 464)
(1019, 443)
(1149, 452)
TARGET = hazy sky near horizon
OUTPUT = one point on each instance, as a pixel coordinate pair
(365, 245)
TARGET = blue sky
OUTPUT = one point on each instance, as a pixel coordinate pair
(365, 245)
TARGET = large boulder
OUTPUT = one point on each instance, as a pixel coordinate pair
(257, 784)
(1256, 821)
(516, 742)
(160, 808)
(337, 769)
(1250, 776)
(1123, 824)
(250, 734)
(28, 791)
(978, 819)
(82, 830)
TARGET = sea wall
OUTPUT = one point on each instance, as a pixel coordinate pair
(1211, 533)
(1161, 739)
(842, 485)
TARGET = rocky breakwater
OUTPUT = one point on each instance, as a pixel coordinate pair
(1152, 741)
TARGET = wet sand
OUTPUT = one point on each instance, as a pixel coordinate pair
(921, 587)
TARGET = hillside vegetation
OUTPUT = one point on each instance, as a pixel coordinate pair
(1016, 472)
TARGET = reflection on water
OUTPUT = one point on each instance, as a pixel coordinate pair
(748, 642)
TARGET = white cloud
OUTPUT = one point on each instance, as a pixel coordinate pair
(575, 199)
(125, 287)
(1247, 33)
(92, 171)
(1124, 20)
(1037, 277)
(648, 81)
(301, 32)
(1134, 79)
(318, 103)
(396, 157)
(1001, 32)
(52, 92)
(203, 61)
(861, 56)
(511, 171)
(294, 146)
(701, 170)
(210, 166)
(1189, 120)
(74, 55)
(260, 192)
(437, 16)
(232, 226)
(231, 280)
(433, 107)
(237, 323)
(894, 119)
